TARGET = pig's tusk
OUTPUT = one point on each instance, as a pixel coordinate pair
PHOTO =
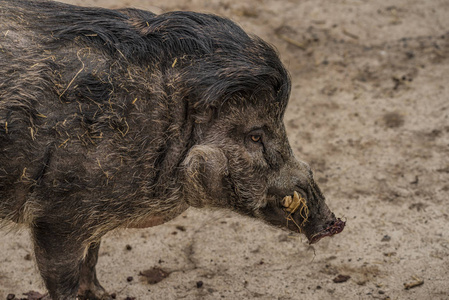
(287, 201)
(292, 204)
(295, 203)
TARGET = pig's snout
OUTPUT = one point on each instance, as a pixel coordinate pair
(333, 227)
(316, 224)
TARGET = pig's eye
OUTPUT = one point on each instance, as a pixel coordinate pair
(256, 138)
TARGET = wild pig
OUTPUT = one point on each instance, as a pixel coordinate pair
(124, 118)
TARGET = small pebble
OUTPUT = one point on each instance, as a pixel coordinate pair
(386, 238)
(341, 278)
(181, 228)
(199, 284)
(129, 279)
(128, 247)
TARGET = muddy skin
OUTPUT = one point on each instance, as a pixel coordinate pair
(123, 118)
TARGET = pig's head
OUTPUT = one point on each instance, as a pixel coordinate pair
(244, 163)
(234, 92)
(240, 158)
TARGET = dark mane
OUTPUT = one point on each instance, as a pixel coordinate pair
(215, 58)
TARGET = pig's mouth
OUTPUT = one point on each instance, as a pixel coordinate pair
(336, 227)
(297, 206)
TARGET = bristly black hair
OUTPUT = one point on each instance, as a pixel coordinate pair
(221, 60)
(216, 59)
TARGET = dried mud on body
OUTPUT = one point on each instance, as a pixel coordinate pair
(369, 111)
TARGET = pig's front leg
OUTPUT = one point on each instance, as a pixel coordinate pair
(90, 287)
(59, 256)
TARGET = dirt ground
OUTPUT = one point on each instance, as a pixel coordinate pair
(369, 111)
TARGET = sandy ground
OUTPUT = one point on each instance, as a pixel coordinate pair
(369, 111)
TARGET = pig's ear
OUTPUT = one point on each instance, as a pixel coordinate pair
(204, 170)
